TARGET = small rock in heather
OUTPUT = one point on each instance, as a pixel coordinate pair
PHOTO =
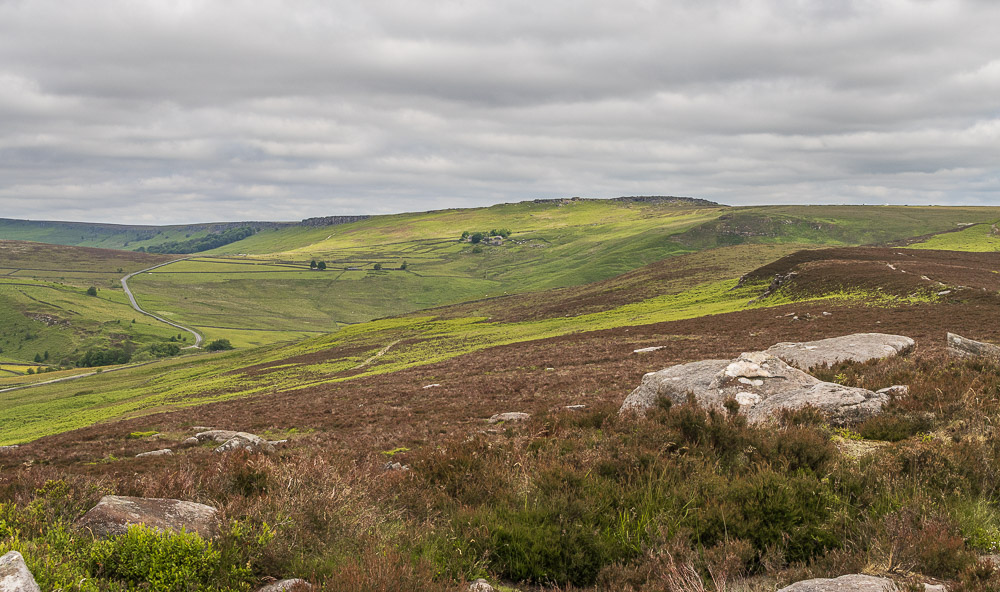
(431, 385)
(289, 585)
(10, 448)
(576, 407)
(480, 585)
(848, 583)
(192, 441)
(395, 466)
(510, 416)
(896, 390)
(934, 588)
(647, 349)
(114, 513)
(163, 452)
(14, 574)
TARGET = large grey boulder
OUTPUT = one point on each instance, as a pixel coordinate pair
(14, 574)
(113, 515)
(840, 404)
(481, 585)
(761, 383)
(859, 347)
(848, 583)
(962, 347)
(749, 379)
(289, 585)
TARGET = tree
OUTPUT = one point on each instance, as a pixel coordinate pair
(403, 265)
(378, 266)
(312, 264)
(31, 370)
(219, 345)
(321, 265)
(38, 357)
(45, 356)
(465, 235)
(476, 237)
(92, 291)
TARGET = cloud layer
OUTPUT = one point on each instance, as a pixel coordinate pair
(182, 111)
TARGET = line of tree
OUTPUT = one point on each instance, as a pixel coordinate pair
(104, 357)
(196, 245)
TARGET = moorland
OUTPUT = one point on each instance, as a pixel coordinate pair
(379, 369)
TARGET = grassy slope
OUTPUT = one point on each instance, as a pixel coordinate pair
(104, 236)
(554, 245)
(44, 305)
(981, 238)
(366, 349)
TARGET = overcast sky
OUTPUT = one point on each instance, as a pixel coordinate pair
(184, 111)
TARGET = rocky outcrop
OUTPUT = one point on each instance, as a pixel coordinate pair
(289, 585)
(760, 383)
(848, 583)
(246, 441)
(510, 416)
(859, 347)
(113, 515)
(962, 347)
(14, 574)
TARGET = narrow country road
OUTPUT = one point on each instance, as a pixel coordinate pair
(135, 305)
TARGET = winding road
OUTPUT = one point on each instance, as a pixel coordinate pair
(135, 305)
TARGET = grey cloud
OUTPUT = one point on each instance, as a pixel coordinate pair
(174, 112)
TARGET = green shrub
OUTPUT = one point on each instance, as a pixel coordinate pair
(219, 345)
(160, 561)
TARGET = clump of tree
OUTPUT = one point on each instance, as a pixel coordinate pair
(378, 267)
(219, 345)
(104, 357)
(476, 237)
(92, 291)
(157, 350)
(195, 245)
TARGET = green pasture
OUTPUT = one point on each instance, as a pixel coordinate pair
(980, 238)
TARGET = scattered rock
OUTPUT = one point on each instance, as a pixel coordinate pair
(647, 349)
(192, 441)
(575, 407)
(896, 391)
(14, 574)
(10, 448)
(510, 416)
(114, 513)
(859, 347)
(934, 588)
(290, 585)
(761, 383)
(395, 466)
(246, 441)
(968, 348)
(163, 452)
(848, 583)
(277, 443)
(480, 585)
(944, 292)
(435, 385)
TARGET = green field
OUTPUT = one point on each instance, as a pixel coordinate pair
(980, 237)
(262, 292)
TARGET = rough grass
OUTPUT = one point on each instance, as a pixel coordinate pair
(571, 499)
